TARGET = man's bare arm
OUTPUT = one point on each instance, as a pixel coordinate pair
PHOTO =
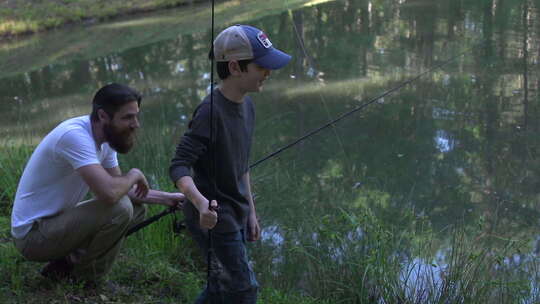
(171, 199)
(110, 188)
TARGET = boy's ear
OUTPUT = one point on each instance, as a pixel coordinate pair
(234, 67)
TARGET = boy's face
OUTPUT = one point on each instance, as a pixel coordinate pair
(254, 77)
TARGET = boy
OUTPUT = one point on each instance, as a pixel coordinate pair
(245, 56)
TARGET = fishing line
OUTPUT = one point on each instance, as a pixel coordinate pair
(310, 60)
(358, 108)
(212, 147)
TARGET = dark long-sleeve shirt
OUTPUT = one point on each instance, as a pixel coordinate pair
(232, 133)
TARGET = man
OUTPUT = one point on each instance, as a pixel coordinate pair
(245, 57)
(51, 223)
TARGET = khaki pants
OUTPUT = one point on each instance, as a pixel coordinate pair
(91, 234)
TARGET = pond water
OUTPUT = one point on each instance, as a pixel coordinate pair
(452, 149)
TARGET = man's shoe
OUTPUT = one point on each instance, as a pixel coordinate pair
(58, 269)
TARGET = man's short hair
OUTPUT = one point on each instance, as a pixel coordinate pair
(111, 97)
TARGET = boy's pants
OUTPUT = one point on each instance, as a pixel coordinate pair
(90, 234)
(231, 278)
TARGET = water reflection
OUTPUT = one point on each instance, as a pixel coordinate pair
(444, 141)
(272, 235)
(421, 278)
(441, 113)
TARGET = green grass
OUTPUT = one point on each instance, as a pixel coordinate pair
(155, 265)
(12, 160)
(23, 16)
(352, 255)
(144, 273)
(380, 266)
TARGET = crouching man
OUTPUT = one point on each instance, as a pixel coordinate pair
(51, 223)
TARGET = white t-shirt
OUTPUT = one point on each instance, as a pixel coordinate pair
(49, 183)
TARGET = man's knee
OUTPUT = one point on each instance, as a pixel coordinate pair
(122, 211)
(139, 212)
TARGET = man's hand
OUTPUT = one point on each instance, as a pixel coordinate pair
(208, 215)
(174, 199)
(254, 230)
(142, 184)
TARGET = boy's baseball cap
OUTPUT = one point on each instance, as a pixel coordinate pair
(241, 42)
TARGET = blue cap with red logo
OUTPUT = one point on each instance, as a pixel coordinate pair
(242, 42)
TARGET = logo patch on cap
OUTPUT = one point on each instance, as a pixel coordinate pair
(264, 40)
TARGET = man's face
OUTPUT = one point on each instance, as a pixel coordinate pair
(120, 131)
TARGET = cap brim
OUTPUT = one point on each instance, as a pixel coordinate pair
(273, 60)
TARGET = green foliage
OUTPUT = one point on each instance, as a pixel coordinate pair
(13, 269)
(360, 256)
(155, 265)
(12, 162)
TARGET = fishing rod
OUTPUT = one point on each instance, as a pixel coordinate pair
(177, 227)
(154, 218)
(358, 108)
(212, 148)
(317, 130)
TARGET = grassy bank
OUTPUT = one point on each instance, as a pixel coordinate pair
(358, 252)
(354, 258)
(12, 160)
(155, 265)
(23, 16)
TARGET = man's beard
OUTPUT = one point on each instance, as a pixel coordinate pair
(120, 141)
